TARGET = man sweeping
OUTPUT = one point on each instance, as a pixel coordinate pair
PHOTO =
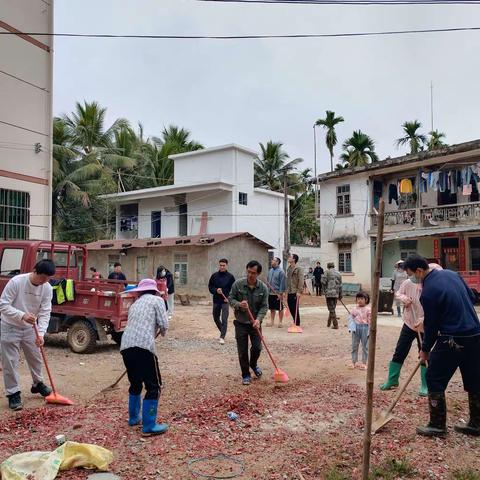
(451, 341)
(249, 294)
(25, 300)
(295, 282)
(219, 285)
(332, 289)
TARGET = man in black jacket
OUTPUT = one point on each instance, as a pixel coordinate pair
(451, 341)
(317, 275)
(220, 285)
(163, 272)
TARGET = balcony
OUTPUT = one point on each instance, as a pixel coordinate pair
(443, 216)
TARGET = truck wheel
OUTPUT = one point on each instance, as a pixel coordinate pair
(82, 337)
(117, 337)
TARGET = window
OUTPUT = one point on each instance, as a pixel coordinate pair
(343, 200)
(60, 257)
(345, 257)
(242, 198)
(182, 220)
(11, 264)
(475, 253)
(14, 214)
(407, 247)
(156, 224)
(180, 267)
(129, 217)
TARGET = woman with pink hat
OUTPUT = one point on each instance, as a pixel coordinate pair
(146, 316)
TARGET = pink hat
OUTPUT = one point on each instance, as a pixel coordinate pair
(145, 285)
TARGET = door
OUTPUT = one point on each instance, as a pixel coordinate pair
(450, 254)
(156, 224)
(141, 268)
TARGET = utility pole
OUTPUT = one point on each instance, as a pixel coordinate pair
(431, 105)
(286, 221)
(317, 203)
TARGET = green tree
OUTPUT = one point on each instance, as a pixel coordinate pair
(435, 140)
(359, 150)
(272, 164)
(329, 123)
(412, 137)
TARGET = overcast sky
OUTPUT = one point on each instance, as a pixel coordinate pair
(251, 91)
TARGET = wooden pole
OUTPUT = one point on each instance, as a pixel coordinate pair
(286, 226)
(372, 342)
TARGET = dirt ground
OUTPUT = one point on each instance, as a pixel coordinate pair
(310, 428)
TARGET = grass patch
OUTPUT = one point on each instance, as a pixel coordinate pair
(335, 474)
(465, 475)
(391, 469)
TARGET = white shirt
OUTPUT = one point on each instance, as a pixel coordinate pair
(144, 317)
(21, 296)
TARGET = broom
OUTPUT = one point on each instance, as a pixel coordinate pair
(54, 397)
(279, 375)
(285, 306)
(294, 328)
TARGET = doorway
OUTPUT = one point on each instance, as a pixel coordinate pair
(449, 254)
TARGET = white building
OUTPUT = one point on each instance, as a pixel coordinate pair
(435, 212)
(25, 119)
(213, 192)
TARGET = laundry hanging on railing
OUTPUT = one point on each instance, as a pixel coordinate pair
(406, 186)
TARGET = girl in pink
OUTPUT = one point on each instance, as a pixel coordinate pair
(361, 316)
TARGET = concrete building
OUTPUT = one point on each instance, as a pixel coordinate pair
(193, 259)
(25, 119)
(432, 208)
(213, 192)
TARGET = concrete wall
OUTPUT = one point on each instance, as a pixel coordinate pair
(356, 224)
(202, 261)
(25, 99)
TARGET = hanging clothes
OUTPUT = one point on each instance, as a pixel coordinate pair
(466, 175)
(442, 181)
(392, 193)
(406, 186)
(452, 175)
(423, 182)
(433, 181)
(467, 190)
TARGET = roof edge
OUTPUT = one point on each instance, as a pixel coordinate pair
(218, 148)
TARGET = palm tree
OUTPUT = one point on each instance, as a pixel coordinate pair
(272, 165)
(415, 140)
(435, 141)
(329, 123)
(359, 150)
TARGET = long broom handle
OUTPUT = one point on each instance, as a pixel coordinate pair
(274, 291)
(252, 320)
(42, 351)
(341, 301)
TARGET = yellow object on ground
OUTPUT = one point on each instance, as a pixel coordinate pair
(45, 465)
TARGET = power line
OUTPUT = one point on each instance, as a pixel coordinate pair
(250, 37)
(353, 2)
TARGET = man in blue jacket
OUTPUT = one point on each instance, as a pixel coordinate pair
(451, 341)
(276, 291)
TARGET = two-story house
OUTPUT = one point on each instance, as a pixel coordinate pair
(432, 207)
(213, 192)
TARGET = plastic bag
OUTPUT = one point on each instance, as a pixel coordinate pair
(352, 326)
(45, 465)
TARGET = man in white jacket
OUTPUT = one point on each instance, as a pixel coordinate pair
(25, 300)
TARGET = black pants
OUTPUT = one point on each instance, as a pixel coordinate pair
(221, 310)
(142, 369)
(448, 355)
(318, 287)
(242, 332)
(293, 307)
(404, 343)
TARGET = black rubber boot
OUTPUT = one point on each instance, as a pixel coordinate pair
(437, 427)
(15, 401)
(42, 389)
(473, 425)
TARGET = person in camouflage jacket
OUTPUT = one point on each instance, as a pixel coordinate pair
(332, 288)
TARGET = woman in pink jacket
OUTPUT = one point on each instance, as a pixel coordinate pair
(409, 295)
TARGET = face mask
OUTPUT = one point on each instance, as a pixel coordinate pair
(163, 273)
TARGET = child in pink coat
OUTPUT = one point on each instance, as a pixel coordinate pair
(360, 326)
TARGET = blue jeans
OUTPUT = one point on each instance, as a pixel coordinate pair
(360, 335)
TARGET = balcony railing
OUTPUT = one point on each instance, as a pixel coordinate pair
(424, 217)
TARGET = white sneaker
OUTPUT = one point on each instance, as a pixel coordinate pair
(222, 341)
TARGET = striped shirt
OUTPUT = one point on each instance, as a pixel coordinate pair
(145, 316)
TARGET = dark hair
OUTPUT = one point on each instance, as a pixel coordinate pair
(159, 270)
(45, 267)
(145, 292)
(318, 263)
(414, 262)
(364, 295)
(93, 269)
(254, 263)
(295, 257)
(117, 264)
(223, 260)
(330, 265)
(278, 260)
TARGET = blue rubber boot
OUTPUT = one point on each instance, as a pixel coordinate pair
(149, 418)
(134, 402)
(423, 392)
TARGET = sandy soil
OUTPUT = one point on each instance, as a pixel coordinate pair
(306, 429)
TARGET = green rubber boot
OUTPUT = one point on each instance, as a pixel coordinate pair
(423, 392)
(393, 375)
